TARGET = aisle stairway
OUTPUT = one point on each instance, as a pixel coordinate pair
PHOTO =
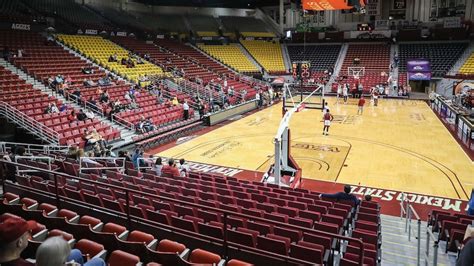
(398, 250)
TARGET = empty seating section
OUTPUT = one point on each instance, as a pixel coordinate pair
(442, 56)
(99, 50)
(195, 56)
(261, 201)
(125, 20)
(243, 24)
(375, 58)
(322, 57)
(451, 227)
(110, 241)
(32, 102)
(43, 60)
(70, 11)
(268, 55)
(468, 66)
(230, 55)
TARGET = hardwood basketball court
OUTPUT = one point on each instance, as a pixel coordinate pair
(399, 145)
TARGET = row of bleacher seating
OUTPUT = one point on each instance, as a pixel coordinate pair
(442, 56)
(451, 227)
(192, 54)
(321, 57)
(33, 103)
(268, 54)
(99, 50)
(93, 238)
(230, 55)
(258, 201)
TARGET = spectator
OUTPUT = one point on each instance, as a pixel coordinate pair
(63, 108)
(346, 195)
(54, 108)
(183, 168)
(89, 114)
(72, 116)
(14, 235)
(104, 97)
(158, 166)
(113, 58)
(368, 197)
(470, 209)
(201, 109)
(175, 101)
(47, 110)
(125, 155)
(170, 169)
(87, 70)
(186, 110)
(137, 155)
(55, 251)
(466, 256)
(81, 116)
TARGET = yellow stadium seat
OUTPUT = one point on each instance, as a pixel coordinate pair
(230, 55)
(267, 54)
(99, 50)
(468, 67)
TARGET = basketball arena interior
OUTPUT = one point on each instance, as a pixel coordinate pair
(243, 132)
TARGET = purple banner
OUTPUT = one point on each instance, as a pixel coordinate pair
(419, 75)
(420, 65)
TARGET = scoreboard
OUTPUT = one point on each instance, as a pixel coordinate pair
(301, 69)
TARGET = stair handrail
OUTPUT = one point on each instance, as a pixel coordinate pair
(28, 123)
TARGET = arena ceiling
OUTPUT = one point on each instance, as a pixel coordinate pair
(212, 3)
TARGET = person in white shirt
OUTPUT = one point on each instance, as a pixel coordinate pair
(186, 110)
(158, 166)
(258, 97)
(183, 168)
(54, 108)
(339, 92)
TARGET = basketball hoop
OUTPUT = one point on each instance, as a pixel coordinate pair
(356, 72)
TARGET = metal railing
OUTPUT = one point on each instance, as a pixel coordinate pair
(28, 123)
(122, 122)
(6, 146)
(224, 242)
(408, 212)
(93, 107)
(85, 162)
(20, 170)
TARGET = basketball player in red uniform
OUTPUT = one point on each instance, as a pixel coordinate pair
(327, 118)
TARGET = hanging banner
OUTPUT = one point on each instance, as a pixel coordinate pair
(17, 26)
(91, 32)
(321, 5)
(121, 33)
(419, 76)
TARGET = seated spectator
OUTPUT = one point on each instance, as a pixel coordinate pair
(59, 79)
(170, 169)
(14, 235)
(158, 166)
(113, 58)
(133, 105)
(81, 116)
(54, 108)
(72, 152)
(89, 114)
(175, 101)
(91, 102)
(125, 155)
(105, 81)
(140, 61)
(146, 56)
(123, 61)
(88, 83)
(346, 195)
(72, 116)
(76, 94)
(55, 251)
(87, 70)
(368, 197)
(52, 83)
(104, 97)
(48, 109)
(183, 168)
(63, 108)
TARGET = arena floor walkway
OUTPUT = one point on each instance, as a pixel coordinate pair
(399, 145)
